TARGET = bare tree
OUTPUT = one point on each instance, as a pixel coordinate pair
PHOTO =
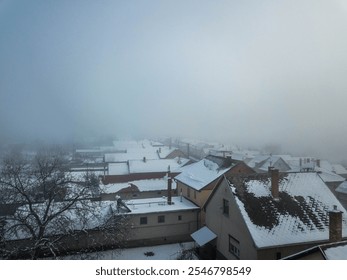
(53, 211)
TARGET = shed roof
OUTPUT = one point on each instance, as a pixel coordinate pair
(203, 236)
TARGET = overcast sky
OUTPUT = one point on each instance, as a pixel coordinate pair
(244, 72)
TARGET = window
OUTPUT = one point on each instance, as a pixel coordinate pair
(161, 219)
(278, 255)
(180, 217)
(188, 192)
(225, 207)
(234, 246)
(194, 194)
(143, 220)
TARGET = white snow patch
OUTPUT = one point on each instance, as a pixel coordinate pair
(336, 253)
(160, 252)
(200, 174)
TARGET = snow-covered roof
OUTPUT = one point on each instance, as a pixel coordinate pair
(329, 251)
(119, 168)
(126, 144)
(139, 154)
(256, 160)
(200, 174)
(203, 236)
(339, 169)
(147, 166)
(155, 205)
(326, 165)
(133, 154)
(239, 156)
(342, 188)
(160, 252)
(137, 150)
(295, 163)
(300, 215)
(273, 161)
(336, 252)
(142, 185)
(79, 176)
(329, 176)
(158, 165)
(113, 188)
(285, 163)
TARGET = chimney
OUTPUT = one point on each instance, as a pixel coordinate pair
(169, 187)
(335, 225)
(228, 161)
(274, 182)
(318, 162)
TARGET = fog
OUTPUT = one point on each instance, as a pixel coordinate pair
(253, 73)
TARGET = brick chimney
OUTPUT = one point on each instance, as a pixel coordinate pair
(335, 225)
(228, 161)
(275, 177)
(169, 187)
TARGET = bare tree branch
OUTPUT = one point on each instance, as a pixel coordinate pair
(53, 209)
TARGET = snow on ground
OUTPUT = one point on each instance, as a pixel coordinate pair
(161, 252)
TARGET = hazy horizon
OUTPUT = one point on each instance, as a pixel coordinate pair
(250, 73)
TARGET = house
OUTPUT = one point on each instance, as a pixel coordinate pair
(152, 221)
(143, 169)
(156, 221)
(270, 216)
(196, 181)
(137, 150)
(287, 163)
(261, 163)
(299, 164)
(160, 220)
(333, 173)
